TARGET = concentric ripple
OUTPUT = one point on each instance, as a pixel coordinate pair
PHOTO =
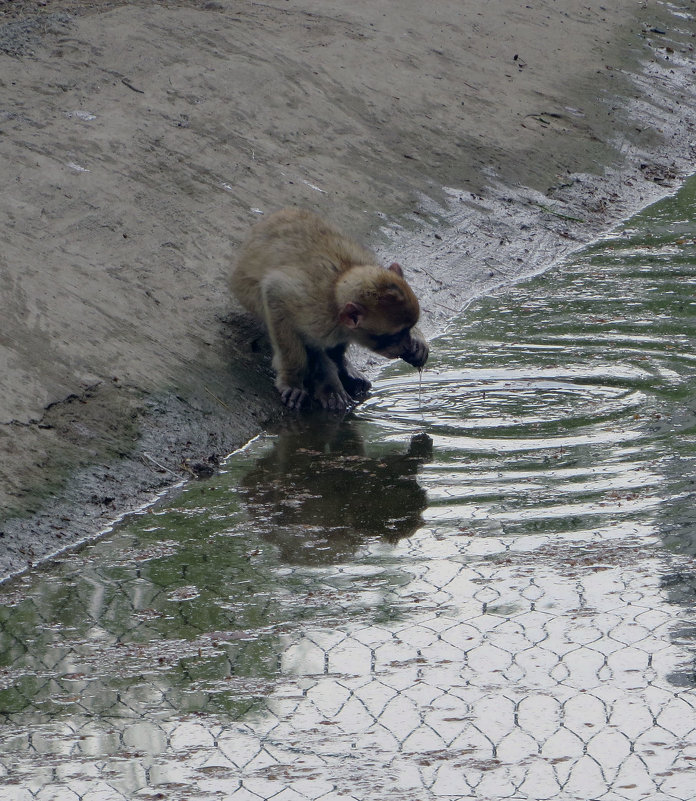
(561, 401)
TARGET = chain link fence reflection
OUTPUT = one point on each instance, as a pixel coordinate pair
(444, 666)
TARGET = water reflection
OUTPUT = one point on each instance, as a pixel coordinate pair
(318, 494)
(182, 608)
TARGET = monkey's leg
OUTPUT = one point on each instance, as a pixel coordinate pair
(328, 388)
(289, 351)
(354, 382)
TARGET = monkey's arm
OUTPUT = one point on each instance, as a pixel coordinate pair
(329, 389)
(289, 351)
(354, 382)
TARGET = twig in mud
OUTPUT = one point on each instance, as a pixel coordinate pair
(431, 276)
(540, 116)
(496, 269)
(161, 466)
(127, 83)
(446, 308)
(549, 210)
(428, 308)
(215, 397)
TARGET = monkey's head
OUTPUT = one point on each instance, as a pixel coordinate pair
(380, 311)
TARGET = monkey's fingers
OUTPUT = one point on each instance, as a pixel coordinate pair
(335, 401)
(293, 397)
(355, 384)
(338, 403)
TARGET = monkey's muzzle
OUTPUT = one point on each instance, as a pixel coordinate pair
(416, 354)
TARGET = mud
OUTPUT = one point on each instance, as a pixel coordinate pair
(139, 142)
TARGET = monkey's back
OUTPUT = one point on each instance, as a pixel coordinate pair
(310, 253)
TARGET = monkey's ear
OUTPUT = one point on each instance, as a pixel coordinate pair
(395, 267)
(351, 315)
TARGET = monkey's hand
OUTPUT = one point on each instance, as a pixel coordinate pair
(354, 382)
(293, 397)
(333, 396)
(416, 351)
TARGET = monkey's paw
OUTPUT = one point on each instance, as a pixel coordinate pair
(355, 383)
(334, 398)
(293, 397)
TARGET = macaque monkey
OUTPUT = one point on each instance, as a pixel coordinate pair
(318, 291)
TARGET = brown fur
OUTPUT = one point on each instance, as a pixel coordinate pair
(317, 291)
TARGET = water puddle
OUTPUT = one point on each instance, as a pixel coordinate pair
(482, 590)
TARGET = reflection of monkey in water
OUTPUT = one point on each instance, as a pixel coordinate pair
(318, 291)
(317, 495)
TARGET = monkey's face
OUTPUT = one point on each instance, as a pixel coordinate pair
(407, 344)
(383, 315)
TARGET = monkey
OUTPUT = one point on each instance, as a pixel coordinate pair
(318, 291)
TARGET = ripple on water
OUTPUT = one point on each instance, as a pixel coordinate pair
(553, 405)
